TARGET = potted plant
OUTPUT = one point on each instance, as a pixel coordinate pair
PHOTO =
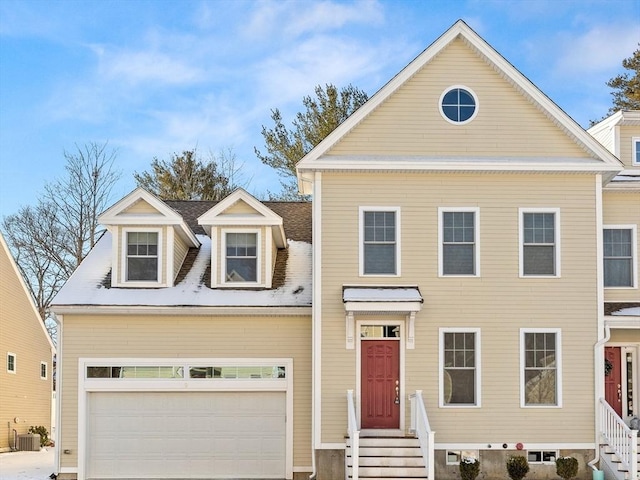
(517, 467)
(567, 467)
(469, 468)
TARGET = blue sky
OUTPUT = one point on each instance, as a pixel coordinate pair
(157, 77)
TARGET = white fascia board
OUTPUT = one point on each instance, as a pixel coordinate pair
(621, 321)
(382, 307)
(183, 311)
(416, 164)
(211, 215)
(110, 216)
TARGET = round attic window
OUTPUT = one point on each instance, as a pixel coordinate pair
(458, 105)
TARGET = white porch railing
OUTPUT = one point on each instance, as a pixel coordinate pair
(619, 437)
(420, 426)
(354, 435)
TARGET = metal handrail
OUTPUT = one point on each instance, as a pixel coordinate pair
(354, 435)
(619, 437)
(421, 428)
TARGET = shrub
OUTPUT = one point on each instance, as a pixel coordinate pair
(469, 468)
(517, 467)
(567, 467)
(42, 431)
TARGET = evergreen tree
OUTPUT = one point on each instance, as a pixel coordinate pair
(286, 147)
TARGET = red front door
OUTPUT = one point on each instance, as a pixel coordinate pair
(613, 378)
(380, 384)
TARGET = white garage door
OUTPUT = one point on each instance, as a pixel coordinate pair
(186, 435)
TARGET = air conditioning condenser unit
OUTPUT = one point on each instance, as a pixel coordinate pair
(29, 442)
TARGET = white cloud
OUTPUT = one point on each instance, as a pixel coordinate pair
(601, 48)
(137, 67)
(293, 18)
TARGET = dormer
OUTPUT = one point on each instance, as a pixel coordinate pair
(150, 241)
(245, 238)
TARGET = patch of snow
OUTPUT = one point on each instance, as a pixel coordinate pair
(399, 294)
(632, 312)
(27, 465)
(85, 287)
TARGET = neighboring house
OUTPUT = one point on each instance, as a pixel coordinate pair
(620, 133)
(452, 303)
(27, 359)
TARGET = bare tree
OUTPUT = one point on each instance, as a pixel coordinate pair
(51, 239)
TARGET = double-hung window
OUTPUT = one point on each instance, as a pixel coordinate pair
(458, 241)
(460, 367)
(540, 242)
(619, 256)
(241, 257)
(379, 241)
(635, 151)
(540, 368)
(142, 261)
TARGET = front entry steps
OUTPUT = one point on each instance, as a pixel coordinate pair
(619, 472)
(388, 458)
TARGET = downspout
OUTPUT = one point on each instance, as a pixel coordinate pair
(315, 312)
(56, 464)
(598, 355)
(599, 372)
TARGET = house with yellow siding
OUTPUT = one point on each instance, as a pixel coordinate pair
(26, 374)
(464, 283)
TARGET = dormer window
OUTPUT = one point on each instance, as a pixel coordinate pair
(241, 257)
(142, 256)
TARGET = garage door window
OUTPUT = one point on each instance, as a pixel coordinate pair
(193, 371)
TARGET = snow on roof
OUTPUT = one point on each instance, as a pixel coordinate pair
(389, 294)
(85, 286)
(632, 312)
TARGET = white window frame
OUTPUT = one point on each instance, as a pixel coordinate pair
(556, 244)
(475, 99)
(558, 353)
(124, 256)
(634, 254)
(223, 259)
(635, 148)
(15, 363)
(44, 365)
(476, 239)
(477, 368)
(361, 211)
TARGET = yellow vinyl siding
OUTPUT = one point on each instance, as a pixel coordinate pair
(240, 208)
(409, 122)
(626, 147)
(201, 337)
(180, 250)
(25, 398)
(498, 302)
(623, 208)
(625, 335)
(141, 208)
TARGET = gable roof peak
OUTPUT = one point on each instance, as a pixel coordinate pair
(461, 30)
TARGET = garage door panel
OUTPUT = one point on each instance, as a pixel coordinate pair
(186, 435)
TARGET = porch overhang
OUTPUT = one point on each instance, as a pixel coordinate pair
(404, 300)
(622, 315)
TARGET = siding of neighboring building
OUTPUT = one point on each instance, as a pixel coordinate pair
(196, 337)
(409, 122)
(25, 398)
(623, 208)
(498, 302)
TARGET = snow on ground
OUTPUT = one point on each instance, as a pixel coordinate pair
(27, 465)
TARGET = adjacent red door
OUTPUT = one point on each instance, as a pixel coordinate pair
(380, 384)
(613, 378)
